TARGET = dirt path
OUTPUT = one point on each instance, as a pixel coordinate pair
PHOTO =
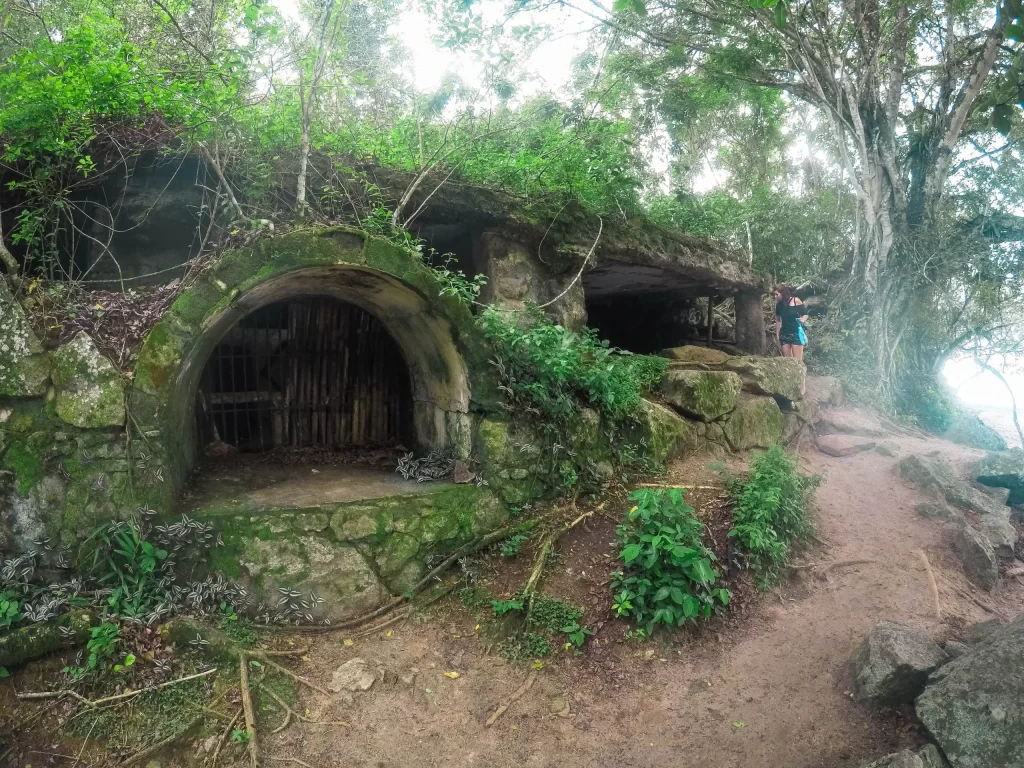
(772, 693)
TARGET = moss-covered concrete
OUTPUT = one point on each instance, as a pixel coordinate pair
(354, 555)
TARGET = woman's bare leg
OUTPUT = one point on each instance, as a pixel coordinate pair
(797, 351)
(787, 350)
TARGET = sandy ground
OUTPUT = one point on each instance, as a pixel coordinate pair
(772, 692)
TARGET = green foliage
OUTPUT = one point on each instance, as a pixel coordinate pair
(525, 646)
(240, 736)
(455, 283)
(510, 547)
(122, 560)
(501, 607)
(771, 512)
(552, 614)
(669, 576)
(928, 400)
(10, 610)
(102, 644)
(548, 373)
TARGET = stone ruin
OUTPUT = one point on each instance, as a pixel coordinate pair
(328, 337)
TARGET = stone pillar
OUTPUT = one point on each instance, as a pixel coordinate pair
(750, 337)
(516, 277)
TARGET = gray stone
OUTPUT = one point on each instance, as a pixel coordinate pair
(938, 510)
(694, 354)
(974, 706)
(893, 663)
(1003, 470)
(90, 391)
(968, 429)
(981, 631)
(824, 391)
(24, 367)
(931, 757)
(1000, 533)
(886, 449)
(904, 759)
(703, 395)
(955, 649)
(981, 566)
(933, 474)
(998, 495)
(352, 676)
(777, 376)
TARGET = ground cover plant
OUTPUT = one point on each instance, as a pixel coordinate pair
(669, 577)
(771, 512)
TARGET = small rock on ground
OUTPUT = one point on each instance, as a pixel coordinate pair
(354, 675)
(981, 566)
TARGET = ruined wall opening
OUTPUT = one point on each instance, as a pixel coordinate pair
(307, 372)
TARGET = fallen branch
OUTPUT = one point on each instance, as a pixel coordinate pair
(250, 719)
(152, 750)
(931, 582)
(530, 680)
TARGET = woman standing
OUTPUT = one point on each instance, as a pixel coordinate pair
(790, 315)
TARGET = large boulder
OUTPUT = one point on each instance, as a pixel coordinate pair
(1003, 470)
(695, 354)
(968, 429)
(663, 433)
(974, 705)
(981, 565)
(1000, 533)
(90, 390)
(757, 422)
(892, 665)
(703, 395)
(24, 367)
(933, 474)
(777, 376)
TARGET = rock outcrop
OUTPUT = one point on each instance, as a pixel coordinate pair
(781, 377)
(932, 473)
(968, 429)
(926, 757)
(757, 422)
(1003, 470)
(892, 665)
(703, 395)
(974, 705)
(981, 566)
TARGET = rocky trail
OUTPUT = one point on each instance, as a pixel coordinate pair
(771, 690)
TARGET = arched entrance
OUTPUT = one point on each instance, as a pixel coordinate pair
(310, 372)
(386, 290)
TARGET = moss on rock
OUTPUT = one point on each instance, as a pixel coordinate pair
(24, 367)
(26, 464)
(704, 395)
(662, 432)
(757, 422)
(777, 376)
(38, 640)
(89, 389)
(694, 354)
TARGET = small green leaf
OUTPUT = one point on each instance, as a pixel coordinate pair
(780, 15)
(4, 672)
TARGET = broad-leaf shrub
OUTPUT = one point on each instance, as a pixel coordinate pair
(553, 369)
(771, 511)
(669, 576)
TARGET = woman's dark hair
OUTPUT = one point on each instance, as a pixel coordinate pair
(785, 291)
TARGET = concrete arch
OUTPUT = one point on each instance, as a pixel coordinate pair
(436, 334)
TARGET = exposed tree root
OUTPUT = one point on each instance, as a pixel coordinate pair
(224, 737)
(286, 671)
(530, 680)
(530, 588)
(977, 601)
(110, 699)
(291, 760)
(289, 713)
(250, 718)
